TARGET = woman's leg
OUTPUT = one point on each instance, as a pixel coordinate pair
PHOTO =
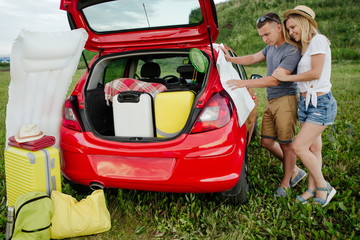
(315, 148)
(307, 147)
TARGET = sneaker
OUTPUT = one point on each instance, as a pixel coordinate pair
(300, 176)
(280, 192)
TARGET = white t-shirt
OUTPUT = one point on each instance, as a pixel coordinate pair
(319, 44)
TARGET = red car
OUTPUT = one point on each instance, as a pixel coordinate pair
(163, 44)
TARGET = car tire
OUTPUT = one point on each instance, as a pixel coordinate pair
(239, 193)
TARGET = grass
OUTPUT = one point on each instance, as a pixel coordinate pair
(152, 215)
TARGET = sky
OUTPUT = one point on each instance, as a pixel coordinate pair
(31, 15)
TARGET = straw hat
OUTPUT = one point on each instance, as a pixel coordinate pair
(28, 133)
(303, 11)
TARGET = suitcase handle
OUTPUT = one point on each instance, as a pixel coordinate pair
(129, 96)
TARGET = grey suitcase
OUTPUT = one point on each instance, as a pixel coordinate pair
(133, 114)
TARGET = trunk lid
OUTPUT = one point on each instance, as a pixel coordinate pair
(119, 25)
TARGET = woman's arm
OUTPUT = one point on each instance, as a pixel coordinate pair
(317, 63)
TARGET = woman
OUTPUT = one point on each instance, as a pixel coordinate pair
(317, 107)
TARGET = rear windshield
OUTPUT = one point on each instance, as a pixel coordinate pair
(123, 15)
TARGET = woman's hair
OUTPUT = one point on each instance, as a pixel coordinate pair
(308, 31)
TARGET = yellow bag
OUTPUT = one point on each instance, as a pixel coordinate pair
(72, 218)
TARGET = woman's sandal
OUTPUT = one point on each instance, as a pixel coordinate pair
(302, 199)
(330, 194)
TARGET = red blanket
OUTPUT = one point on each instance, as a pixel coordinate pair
(45, 141)
(127, 84)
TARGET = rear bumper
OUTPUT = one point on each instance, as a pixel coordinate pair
(203, 162)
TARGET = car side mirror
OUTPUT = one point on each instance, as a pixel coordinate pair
(255, 76)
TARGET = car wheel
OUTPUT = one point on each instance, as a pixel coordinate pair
(239, 193)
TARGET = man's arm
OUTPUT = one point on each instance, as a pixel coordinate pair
(268, 81)
(244, 60)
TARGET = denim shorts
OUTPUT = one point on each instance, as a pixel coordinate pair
(324, 114)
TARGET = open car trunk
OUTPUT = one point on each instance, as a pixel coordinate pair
(143, 96)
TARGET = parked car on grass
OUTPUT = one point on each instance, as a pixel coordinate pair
(163, 44)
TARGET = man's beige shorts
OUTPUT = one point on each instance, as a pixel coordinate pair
(279, 120)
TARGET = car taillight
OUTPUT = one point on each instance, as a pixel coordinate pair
(69, 117)
(216, 114)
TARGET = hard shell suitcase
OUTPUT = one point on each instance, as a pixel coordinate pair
(27, 171)
(133, 114)
(172, 111)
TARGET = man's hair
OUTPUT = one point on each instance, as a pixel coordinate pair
(271, 17)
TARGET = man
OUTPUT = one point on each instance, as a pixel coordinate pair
(280, 116)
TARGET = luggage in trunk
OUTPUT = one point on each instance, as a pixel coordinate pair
(133, 114)
(172, 111)
(27, 171)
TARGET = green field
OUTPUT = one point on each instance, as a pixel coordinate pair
(151, 215)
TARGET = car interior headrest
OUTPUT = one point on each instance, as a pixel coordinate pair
(150, 70)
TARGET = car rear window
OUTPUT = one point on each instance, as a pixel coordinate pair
(125, 15)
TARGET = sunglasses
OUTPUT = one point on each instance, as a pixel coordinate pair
(264, 18)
